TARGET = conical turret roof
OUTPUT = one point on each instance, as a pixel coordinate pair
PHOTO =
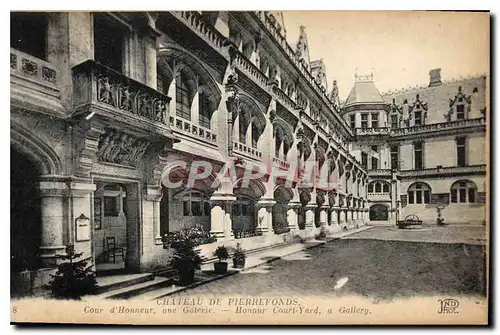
(364, 91)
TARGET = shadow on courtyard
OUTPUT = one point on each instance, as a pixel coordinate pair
(375, 269)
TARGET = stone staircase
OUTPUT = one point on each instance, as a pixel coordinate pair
(129, 285)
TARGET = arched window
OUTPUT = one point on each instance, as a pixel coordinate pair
(205, 110)
(243, 125)
(419, 193)
(278, 140)
(195, 204)
(182, 96)
(463, 191)
(250, 119)
(378, 187)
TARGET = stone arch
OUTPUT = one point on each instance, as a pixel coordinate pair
(255, 186)
(41, 153)
(185, 59)
(250, 115)
(379, 212)
(283, 135)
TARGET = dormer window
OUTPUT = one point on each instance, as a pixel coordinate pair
(418, 118)
(460, 111)
(394, 121)
(374, 120)
(364, 120)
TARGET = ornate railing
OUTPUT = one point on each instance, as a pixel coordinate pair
(281, 41)
(246, 150)
(283, 98)
(195, 21)
(248, 68)
(32, 67)
(380, 172)
(281, 163)
(186, 127)
(96, 84)
(459, 124)
(373, 131)
(444, 171)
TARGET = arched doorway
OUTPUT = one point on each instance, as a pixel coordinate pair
(25, 213)
(379, 213)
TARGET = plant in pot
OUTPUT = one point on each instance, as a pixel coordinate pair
(239, 257)
(186, 259)
(222, 254)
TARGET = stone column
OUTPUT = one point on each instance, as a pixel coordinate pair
(151, 211)
(333, 217)
(220, 216)
(54, 217)
(323, 215)
(342, 217)
(292, 215)
(265, 216)
(310, 208)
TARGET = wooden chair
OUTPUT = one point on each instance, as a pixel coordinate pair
(111, 250)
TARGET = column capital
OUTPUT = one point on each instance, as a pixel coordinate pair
(152, 193)
(64, 186)
(266, 203)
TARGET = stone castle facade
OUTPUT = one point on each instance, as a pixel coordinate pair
(103, 105)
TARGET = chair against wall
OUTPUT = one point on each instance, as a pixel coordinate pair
(111, 250)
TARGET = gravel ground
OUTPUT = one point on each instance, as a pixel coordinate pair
(370, 265)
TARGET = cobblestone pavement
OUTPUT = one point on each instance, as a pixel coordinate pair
(375, 268)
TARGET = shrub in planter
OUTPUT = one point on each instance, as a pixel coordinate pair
(222, 254)
(186, 258)
(239, 257)
(73, 278)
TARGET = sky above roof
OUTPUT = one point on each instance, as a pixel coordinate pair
(399, 47)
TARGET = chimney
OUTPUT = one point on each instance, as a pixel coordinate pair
(434, 77)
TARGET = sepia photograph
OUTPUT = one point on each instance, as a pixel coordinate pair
(250, 167)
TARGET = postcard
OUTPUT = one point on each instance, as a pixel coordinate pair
(250, 167)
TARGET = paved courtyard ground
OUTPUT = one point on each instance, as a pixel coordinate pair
(377, 263)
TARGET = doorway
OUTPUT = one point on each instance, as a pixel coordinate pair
(379, 213)
(25, 214)
(116, 227)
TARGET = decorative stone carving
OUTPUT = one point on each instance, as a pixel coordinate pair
(120, 148)
(86, 139)
(232, 105)
(29, 67)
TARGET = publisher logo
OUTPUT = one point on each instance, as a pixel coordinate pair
(448, 306)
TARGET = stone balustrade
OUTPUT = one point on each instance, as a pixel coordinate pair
(281, 163)
(373, 131)
(453, 170)
(380, 172)
(194, 20)
(246, 150)
(34, 68)
(458, 124)
(100, 86)
(186, 127)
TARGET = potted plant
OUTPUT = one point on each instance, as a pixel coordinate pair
(74, 278)
(239, 257)
(186, 258)
(222, 254)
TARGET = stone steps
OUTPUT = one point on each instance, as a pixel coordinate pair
(116, 282)
(134, 290)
